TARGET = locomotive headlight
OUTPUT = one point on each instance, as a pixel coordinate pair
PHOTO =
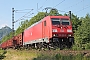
(69, 35)
(53, 34)
(54, 30)
(68, 30)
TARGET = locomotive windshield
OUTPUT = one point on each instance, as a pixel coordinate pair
(65, 22)
(55, 21)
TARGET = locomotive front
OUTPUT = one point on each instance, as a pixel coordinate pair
(62, 33)
(61, 27)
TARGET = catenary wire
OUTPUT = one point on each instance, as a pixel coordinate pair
(22, 10)
(75, 4)
(59, 3)
(88, 6)
(23, 16)
(42, 5)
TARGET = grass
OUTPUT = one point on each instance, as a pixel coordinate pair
(20, 55)
(62, 57)
(46, 55)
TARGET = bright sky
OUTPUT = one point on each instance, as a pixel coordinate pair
(78, 7)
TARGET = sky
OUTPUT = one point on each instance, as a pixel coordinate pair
(22, 7)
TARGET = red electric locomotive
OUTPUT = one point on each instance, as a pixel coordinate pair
(51, 31)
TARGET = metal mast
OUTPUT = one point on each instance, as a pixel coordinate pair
(70, 14)
(13, 22)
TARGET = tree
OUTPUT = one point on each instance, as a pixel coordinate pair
(75, 21)
(82, 34)
(54, 13)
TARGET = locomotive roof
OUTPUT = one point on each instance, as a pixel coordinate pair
(45, 17)
(34, 24)
(59, 16)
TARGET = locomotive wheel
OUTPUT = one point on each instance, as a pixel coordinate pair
(62, 46)
(69, 45)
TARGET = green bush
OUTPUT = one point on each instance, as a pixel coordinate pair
(87, 46)
(2, 54)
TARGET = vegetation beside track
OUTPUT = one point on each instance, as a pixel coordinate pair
(2, 54)
(47, 55)
(62, 57)
(20, 54)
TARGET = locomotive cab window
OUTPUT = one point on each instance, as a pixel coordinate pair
(44, 23)
(55, 21)
(65, 21)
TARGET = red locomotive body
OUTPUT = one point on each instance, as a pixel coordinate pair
(38, 32)
(51, 29)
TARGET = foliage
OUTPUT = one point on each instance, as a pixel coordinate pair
(87, 46)
(2, 54)
(75, 22)
(82, 34)
(54, 13)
